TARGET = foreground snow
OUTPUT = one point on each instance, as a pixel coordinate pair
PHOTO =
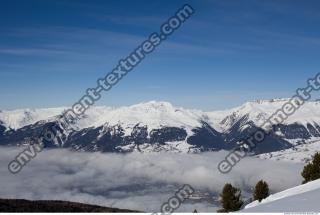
(303, 198)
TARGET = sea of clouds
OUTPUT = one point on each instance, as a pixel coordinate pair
(135, 180)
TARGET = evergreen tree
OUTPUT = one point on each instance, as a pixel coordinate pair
(261, 191)
(230, 199)
(312, 170)
(195, 211)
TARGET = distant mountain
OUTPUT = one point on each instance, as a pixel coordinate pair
(159, 126)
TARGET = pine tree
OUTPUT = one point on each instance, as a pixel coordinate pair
(307, 172)
(261, 191)
(195, 211)
(230, 199)
(312, 170)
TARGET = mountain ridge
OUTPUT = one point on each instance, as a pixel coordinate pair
(160, 126)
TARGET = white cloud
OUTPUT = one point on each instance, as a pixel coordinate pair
(134, 181)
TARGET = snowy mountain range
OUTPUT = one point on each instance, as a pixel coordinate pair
(159, 126)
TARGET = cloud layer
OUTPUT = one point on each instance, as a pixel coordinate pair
(135, 181)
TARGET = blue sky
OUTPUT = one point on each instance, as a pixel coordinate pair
(227, 53)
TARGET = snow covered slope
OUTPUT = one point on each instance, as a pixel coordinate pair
(300, 153)
(303, 198)
(258, 111)
(154, 114)
(16, 119)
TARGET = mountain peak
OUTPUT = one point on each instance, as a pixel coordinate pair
(154, 105)
(276, 100)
